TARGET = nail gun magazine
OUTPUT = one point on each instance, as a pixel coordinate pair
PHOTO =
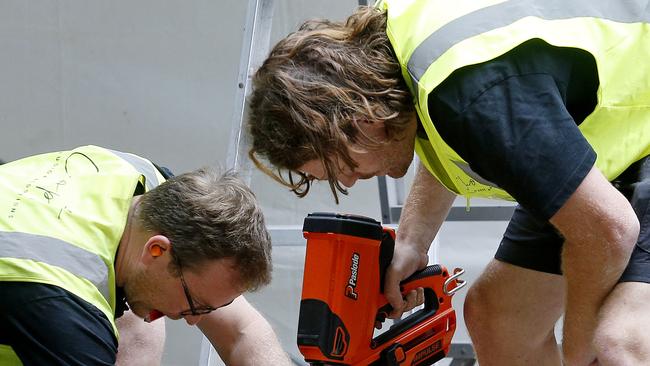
(342, 298)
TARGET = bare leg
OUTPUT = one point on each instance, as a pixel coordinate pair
(140, 343)
(622, 333)
(511, 313)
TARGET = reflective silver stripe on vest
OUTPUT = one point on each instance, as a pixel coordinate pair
(59, 253)
(503, 14)
(143, 166)
(474, 175)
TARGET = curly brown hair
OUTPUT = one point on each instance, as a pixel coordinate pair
(316, 87)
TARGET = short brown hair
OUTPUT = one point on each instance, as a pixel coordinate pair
(209, 216)
(316, 87)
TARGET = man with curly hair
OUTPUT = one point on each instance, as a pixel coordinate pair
(535, 101)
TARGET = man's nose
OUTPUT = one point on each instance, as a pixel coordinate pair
(348, 180)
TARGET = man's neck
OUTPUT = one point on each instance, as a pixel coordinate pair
(127, 247)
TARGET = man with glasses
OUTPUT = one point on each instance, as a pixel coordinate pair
(87, 234)
(196, 308)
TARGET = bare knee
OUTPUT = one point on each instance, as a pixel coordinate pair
(621, 337)
(477, 309)
(616, 345)
(484, 309)
(506, 319)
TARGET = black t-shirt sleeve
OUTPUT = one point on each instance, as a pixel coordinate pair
(47, 325)
(515, 130)
(164, 171)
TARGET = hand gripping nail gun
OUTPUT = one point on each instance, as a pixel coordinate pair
(342, 298)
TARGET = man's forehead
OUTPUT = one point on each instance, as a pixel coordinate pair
(220, 273)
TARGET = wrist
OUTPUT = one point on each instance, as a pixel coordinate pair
(416, 243)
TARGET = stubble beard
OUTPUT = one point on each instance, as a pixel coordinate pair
(136, 290)
(400, 159)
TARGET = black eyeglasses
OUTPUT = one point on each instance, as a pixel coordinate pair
(194, 310)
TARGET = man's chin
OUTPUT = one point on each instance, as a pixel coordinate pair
(139, 311)
(400, 171)
(397, 174)
(153, 315)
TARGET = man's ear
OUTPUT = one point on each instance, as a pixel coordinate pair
(372, 130)
(156, 247)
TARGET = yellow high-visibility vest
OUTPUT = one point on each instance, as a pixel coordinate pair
(62, 216)
(433, 38)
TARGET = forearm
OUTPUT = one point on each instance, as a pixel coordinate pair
(140, 343)
(257, 344)
(591, 271)
(426, 208)
(600, 229)
(242, 336)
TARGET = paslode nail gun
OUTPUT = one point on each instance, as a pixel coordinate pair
(342, 298)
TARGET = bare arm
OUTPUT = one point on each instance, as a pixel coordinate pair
(600, 229)
(424, 212)
(242, 336)
(140, 343)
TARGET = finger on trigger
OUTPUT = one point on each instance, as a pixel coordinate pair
(420, 297)
(411, 300)
(397, 311)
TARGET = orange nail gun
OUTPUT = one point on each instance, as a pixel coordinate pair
(342, 298)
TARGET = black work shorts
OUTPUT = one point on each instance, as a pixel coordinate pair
(535, 244)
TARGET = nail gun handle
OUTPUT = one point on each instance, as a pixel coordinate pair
(434, 276)
(423, 277)
(430, 278)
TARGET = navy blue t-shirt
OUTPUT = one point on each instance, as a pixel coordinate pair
(515, 121)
